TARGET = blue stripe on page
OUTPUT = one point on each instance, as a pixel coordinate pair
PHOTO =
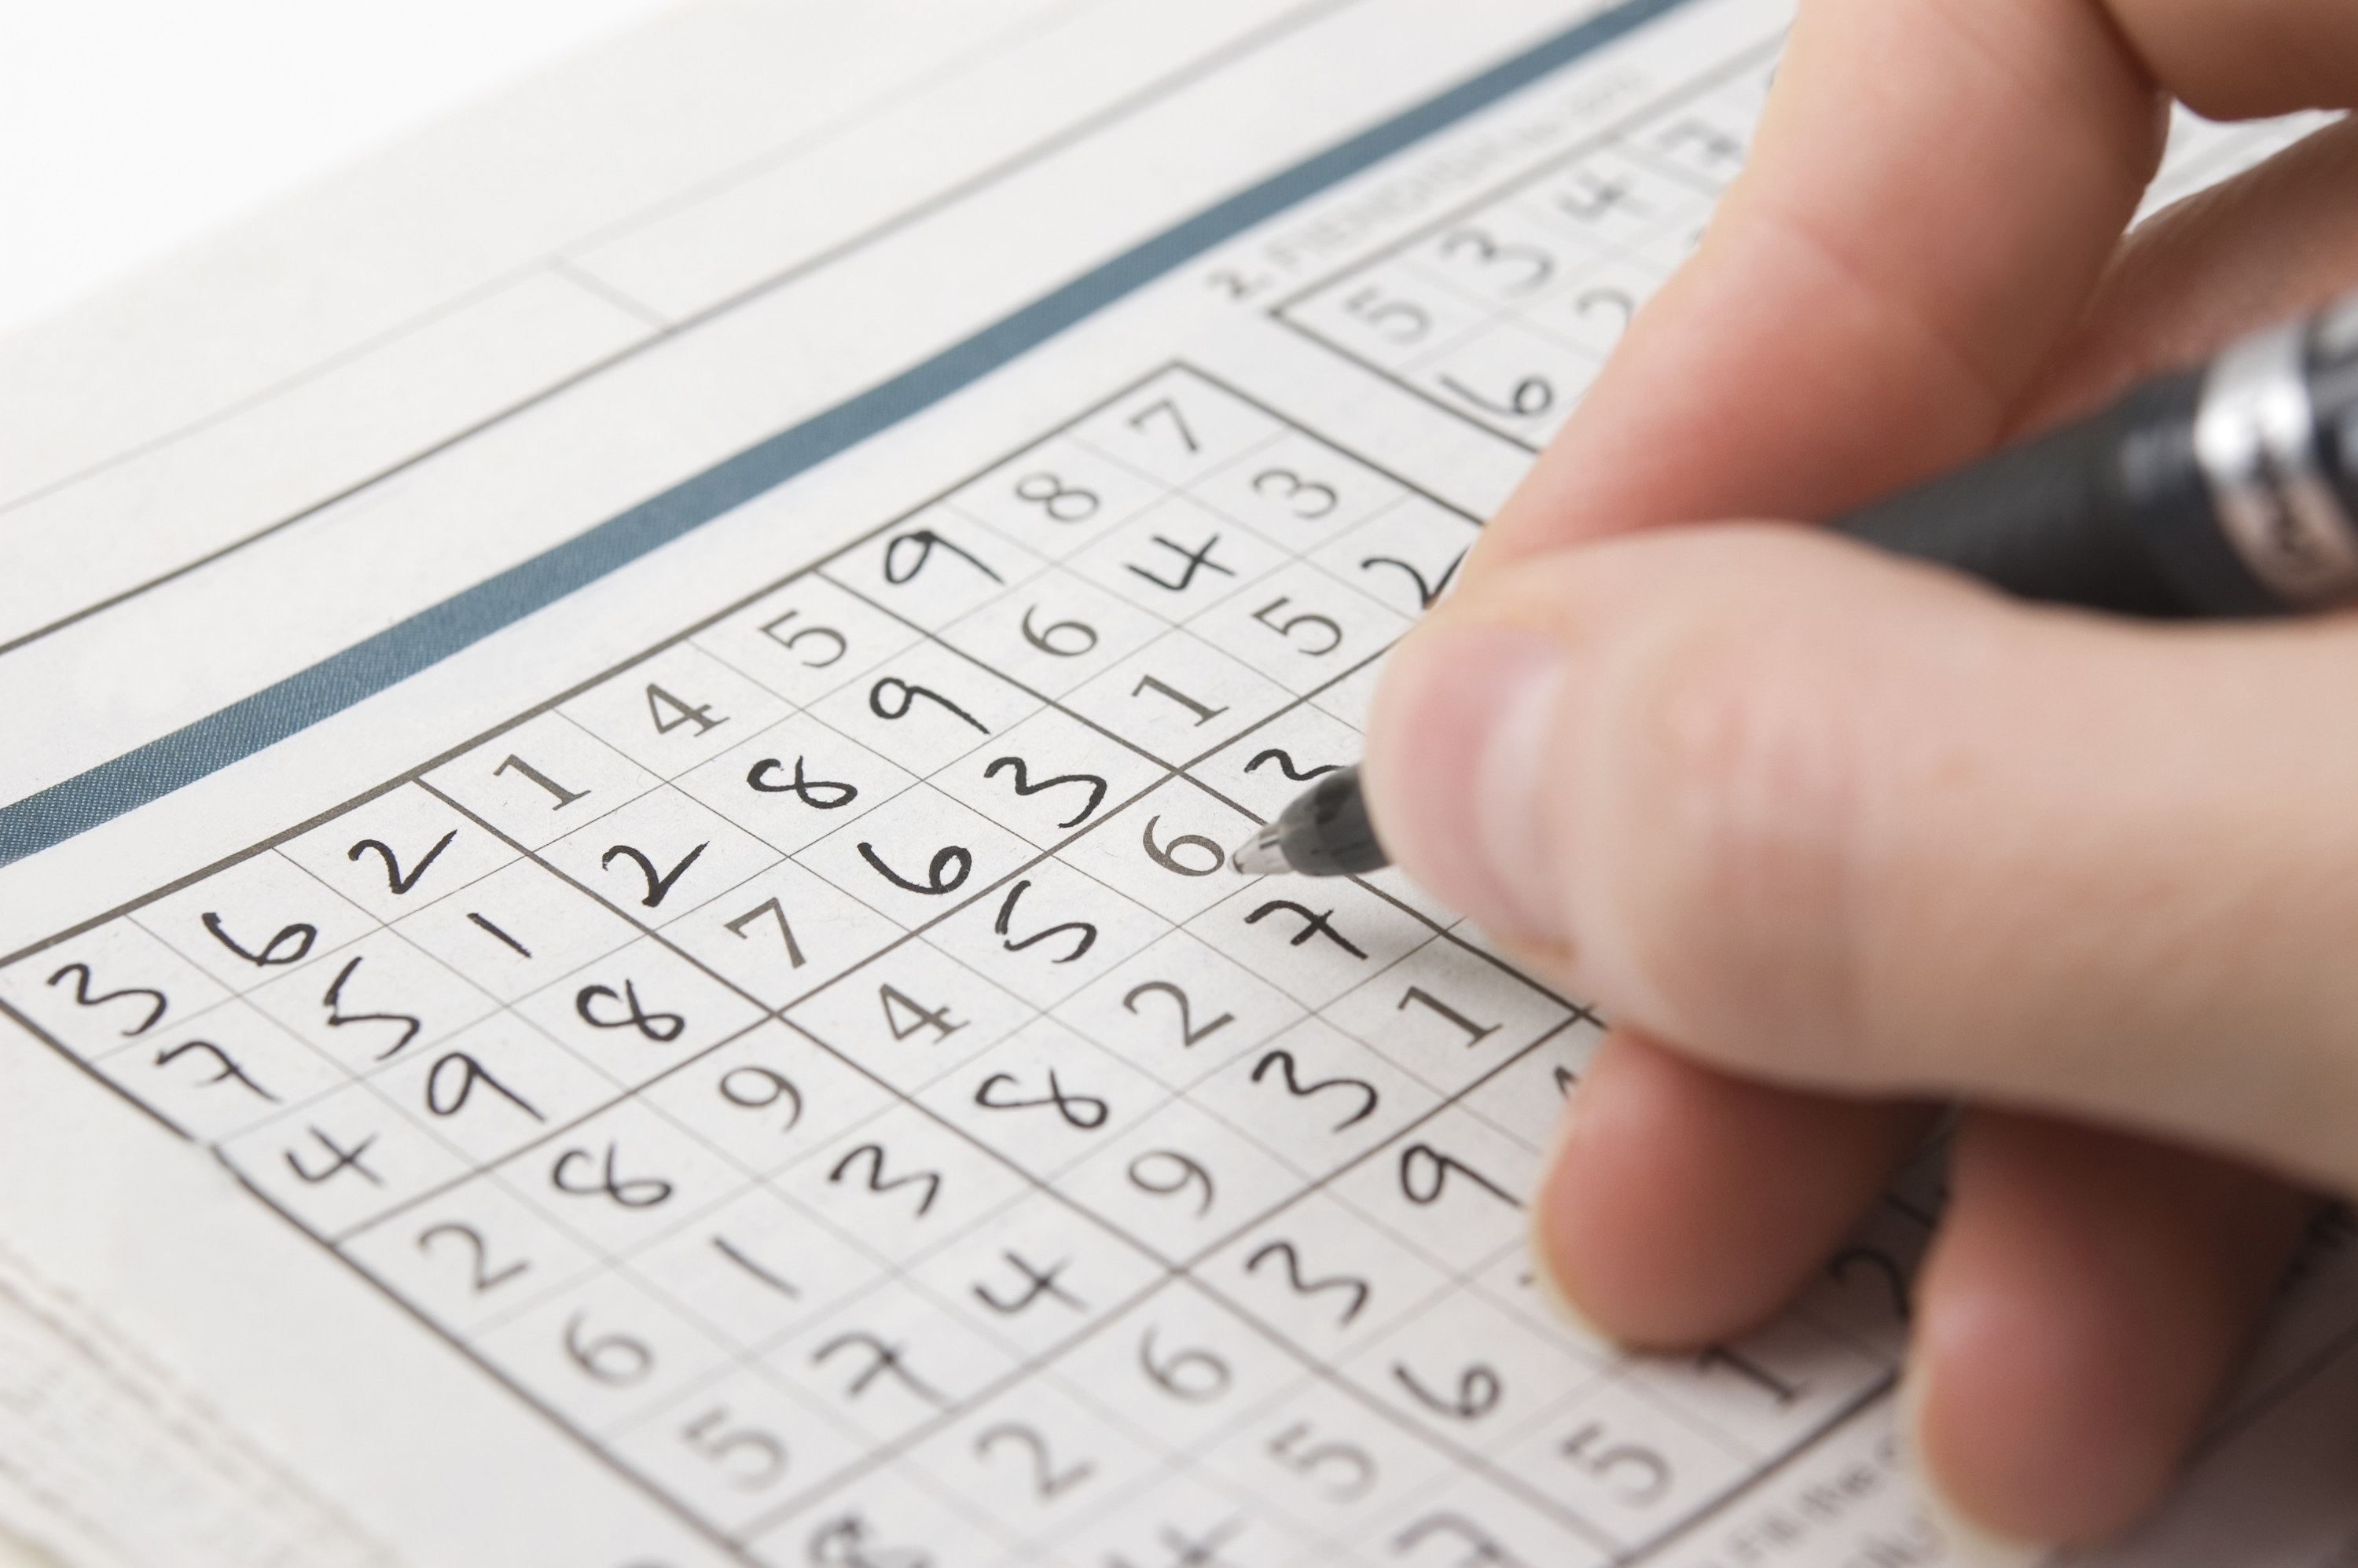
(293, 705)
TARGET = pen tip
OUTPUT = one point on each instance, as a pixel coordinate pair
(1261, 855)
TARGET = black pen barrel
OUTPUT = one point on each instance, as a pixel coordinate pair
(2109, 513)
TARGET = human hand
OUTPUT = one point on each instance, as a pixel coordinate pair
(1849, 837)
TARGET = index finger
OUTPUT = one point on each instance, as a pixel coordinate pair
(1935, 188)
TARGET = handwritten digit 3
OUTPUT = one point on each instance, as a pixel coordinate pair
(83, 999)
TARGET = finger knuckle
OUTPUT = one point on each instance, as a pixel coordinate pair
(1747, 765)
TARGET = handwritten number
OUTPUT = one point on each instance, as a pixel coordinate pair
(301, 938)
(1536, 265)
(1188, 1034)
(1314, 923)
(1025, 786)
(1425, 592)
(937, 882)
(1085, 1112)
(484, 1277)
(1061, 502)
(1880, 1263)
(1284, 760)
(1615, 301)
(1167, 855)
(1355, 1288)
(1317, 649)
(904, 1015)
(446, 1093)
(83, 999)
(838, 795)
(663, 1028)
(909, 696)
(564, 797)
(614, 1359)
(1167, 1175)
(842, 645)
(670, 712)
(1396, 319)
(1198, 560)
(1645, 1474)
(1045, 1480)
(777, 911)
(222, 1059)
(758, 1088)
(631, 1192)
(1287, 1449)
(1283, 1060)
(1424, 1173)
(1478, 1392)
(927, 542)
(1475, 1033)
(399, 884)
(713, 1439)
(1311, 500)
(1085, 935)
(658, 887)
(338, 1019)
(1530, 398)
(1044, 639)
(1168, 408)
(1204, 712)
(1196, 1377)
(878, 1182)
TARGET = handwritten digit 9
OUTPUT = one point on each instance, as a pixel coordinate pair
(758, 1088)
(1171, 1173)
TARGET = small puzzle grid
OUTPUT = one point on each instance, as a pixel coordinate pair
(827, 1067)
(1503, 312)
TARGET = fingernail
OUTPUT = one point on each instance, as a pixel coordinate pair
(1967, 1542)
(1547, 1275)
(1456, 771)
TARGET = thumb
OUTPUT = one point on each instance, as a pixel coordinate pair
(1852, 824)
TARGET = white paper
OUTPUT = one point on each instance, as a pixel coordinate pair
(760, 1061)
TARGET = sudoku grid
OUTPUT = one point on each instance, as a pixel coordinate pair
(1503, 311)
(826, 1066)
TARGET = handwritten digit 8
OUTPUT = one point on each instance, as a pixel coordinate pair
(1065, 504)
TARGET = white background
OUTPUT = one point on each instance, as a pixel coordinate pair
(128, 127)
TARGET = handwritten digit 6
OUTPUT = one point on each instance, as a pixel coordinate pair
(940, 879)
(1166, 855)
(614, 1359)
(1045, 639)
(1194, 1376)
(1478, 1392)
